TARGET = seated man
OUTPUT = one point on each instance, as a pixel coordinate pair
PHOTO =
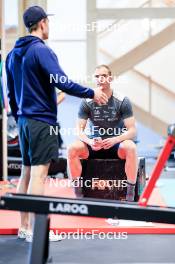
(112, 133)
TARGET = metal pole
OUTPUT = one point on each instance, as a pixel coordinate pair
(39, 250)
(91, 37)
(4, 113)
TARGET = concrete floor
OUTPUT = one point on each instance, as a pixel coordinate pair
(134, 249)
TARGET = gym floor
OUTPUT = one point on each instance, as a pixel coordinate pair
(134, 249)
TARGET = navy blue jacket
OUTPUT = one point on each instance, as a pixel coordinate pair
(31, 90)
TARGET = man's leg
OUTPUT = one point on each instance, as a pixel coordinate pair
(22, 188)
(78, 150)
(128, 151)
(36, 184)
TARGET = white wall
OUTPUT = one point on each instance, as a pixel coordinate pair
(135, 88)
(162, 105)
(11, 18)
(161, 67)
(68, 35)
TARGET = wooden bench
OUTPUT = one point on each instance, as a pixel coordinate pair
(106, 178)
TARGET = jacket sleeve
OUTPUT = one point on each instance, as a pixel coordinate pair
(11, 90)
(56, 76)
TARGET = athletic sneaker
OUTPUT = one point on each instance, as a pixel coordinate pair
(22, 233)
(52, 237)
(113, 221)
(29, 236)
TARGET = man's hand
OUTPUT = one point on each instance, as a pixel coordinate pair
(99, 96)
(109, 142)
(95, 145)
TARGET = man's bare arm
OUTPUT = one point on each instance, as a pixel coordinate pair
(81, 125)
(131, 132)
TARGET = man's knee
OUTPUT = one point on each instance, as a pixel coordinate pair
(72, 151)
(76, 149)
(130, 147)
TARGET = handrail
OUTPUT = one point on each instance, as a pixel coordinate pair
(107, 54)
(155, 83)
(106, 30)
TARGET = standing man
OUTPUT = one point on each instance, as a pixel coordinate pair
(112, 133)
(33, 102)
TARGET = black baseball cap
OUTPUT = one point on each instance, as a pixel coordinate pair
(34, 14)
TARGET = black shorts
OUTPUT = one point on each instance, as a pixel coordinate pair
(38, 146)
(111, 153)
